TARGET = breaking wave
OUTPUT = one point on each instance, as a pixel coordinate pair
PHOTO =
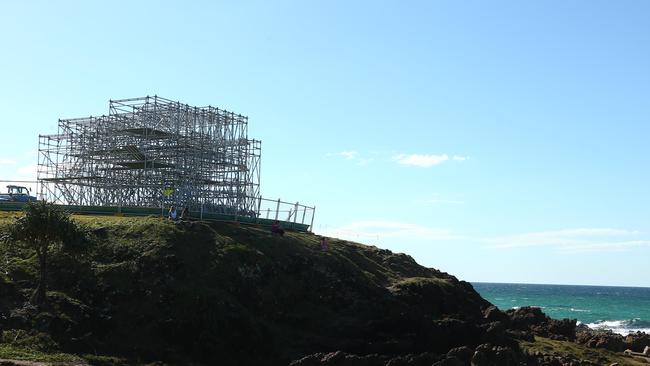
(623, 327)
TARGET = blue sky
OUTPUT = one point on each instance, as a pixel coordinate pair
(501, 141)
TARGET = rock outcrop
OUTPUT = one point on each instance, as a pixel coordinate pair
(221, 293)
(195, 293)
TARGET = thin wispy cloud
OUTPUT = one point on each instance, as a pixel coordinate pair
(608, 246)
(352, 155)
(426, 160)
(419, 160)
(574, 240)
(371, 230)
(349, 155)
(444, 201)
(27, 172)
(7, 162)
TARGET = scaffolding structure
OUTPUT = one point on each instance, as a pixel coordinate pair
(153, 152)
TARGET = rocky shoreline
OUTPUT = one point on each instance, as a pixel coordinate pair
(635, 342)
(500, 345)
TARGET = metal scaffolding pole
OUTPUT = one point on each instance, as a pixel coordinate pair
(153, 152)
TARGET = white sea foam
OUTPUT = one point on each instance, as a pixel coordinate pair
(531, 306)
(622, 327)
(580, 310)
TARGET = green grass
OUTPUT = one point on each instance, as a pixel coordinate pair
(422, 281)
(11, 352)
(145, 288)
(562, 348)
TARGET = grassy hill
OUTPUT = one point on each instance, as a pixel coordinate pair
(150, 289)
(142, 290)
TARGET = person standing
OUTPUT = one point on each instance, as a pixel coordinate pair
(324, 243)
(173, 215)
(185, 214)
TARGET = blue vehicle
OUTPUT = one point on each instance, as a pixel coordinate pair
(16, 194)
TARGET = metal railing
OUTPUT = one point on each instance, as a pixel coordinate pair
(268, 209)
(286, 211)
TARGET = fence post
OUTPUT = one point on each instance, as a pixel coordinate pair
(201, 211)
(304, 211)
(268, 211)
(313, 213)
(277, 209)
(258, 213)
(295, 213)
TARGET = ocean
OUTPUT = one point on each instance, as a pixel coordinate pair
(620, 309)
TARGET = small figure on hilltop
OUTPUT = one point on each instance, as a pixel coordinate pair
(276, 229)
(185, 214)
(172, 215)
(324, 243)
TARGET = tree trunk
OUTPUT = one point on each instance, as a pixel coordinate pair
(38, 297)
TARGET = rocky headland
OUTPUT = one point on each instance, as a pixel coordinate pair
(145, 290)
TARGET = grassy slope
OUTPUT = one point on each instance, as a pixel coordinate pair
(142, 285)
(566, 349)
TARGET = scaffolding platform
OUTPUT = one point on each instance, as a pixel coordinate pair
(153, 152)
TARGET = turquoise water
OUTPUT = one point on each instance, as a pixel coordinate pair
(621, 309)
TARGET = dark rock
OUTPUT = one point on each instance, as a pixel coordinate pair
(490, 355)
(449, 361)
(524, 335)
(637, 341)
(443, 297)
(423, 359)
(480, 358)
(526, 317)
(495, 333)
(446, 334)
(564, 329)
(463, 353)
(493, 314)
(533, 319)
(339, 358)
(313, 359)
(601, 339)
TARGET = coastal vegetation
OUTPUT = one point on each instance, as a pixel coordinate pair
(136, 291)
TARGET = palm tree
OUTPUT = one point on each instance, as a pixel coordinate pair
(44, 227)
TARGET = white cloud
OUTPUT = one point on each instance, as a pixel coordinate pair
(371, 230)
(581, 239)
(419, 160)
(27, 172)
(352, 156)
(445, 201)
(349, 155)
(608, 246)
(7, 162)
(426, 160)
